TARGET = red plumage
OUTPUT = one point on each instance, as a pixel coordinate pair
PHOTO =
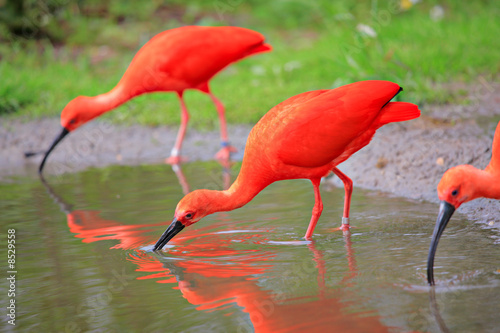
(174, 60)
(306, 136)
(461, 184)
(188, 57)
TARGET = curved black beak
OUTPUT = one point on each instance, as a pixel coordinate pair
(61, 136)
(174, 228)
(446, 210)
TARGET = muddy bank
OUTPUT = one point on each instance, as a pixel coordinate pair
(99, 144)
(404, 159)
(408, 160)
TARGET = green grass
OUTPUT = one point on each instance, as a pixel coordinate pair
(316, 46)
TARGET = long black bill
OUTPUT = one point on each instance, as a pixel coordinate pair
(61, 136)
(174, 228)
(446, 210)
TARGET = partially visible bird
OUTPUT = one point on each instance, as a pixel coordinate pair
(306, 136)
(174, 60)
(461, 184)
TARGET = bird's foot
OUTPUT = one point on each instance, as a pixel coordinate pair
(173, 160)
(345, 226)
(225, 153)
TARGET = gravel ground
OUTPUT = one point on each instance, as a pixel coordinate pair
(405, 159)
(408, 160)
(99, 144)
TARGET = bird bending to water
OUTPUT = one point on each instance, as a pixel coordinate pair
(306, 136)
(174, 60)
(461, 184)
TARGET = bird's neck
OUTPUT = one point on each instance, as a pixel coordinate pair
(490, 182)
(108, 101)
(494, 166)
(242, 191)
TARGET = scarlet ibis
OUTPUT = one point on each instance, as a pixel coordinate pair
(461, 184)
(306, 136)
(174, 60)
(210, 284)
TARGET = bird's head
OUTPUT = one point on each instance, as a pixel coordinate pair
(76, 113)
(192, 208)
(455, 188)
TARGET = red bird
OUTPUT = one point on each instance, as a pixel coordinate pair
(461, 184)
(306, 136)
(174, 60)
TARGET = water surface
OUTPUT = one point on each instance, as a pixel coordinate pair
(85, 264)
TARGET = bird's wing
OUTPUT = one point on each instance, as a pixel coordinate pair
(314, 129)
(188, 57)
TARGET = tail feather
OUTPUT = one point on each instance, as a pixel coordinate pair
(398, 111)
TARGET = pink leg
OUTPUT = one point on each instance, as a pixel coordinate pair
(347, 201)
(226, 149)
(318, 208)
(320, 264)
(181, 178)
(351, 259)
(174, 154)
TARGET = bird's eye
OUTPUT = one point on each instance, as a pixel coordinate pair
(454, 193)
(188, 216)
(72, 121)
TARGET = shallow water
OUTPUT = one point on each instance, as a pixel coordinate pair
(84, 260)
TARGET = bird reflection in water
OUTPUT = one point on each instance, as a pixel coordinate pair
(435, 311)
(91, 227)
(215, 285)
(214, 274)
(226, 175)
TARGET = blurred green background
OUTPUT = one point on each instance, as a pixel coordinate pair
(54, 50)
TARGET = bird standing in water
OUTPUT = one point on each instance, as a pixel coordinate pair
(306, 136)
(174, 60)
(461, 184)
